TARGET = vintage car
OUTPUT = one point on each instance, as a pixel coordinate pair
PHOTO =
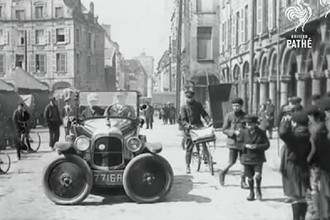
(106, 152)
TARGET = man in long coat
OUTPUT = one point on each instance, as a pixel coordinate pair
(149, 115)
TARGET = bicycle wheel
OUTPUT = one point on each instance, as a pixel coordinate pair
(209, 158)
(34, 140)
(196, 159)
(5, 162)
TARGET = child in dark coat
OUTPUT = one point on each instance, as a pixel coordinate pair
(255, 143)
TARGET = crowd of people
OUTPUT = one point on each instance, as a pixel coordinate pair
(168, 113)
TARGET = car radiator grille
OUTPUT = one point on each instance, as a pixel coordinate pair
(111, 155)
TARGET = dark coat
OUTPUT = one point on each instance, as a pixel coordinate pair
(233, 121)
(52, 115)
(294, 165)
(20, 118)
(149, 113)
(320, 142)
(270, 111)
(261, 142)
(191, 114)
(95, 112)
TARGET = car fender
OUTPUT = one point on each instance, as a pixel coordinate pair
(154, 147)
(61, 147)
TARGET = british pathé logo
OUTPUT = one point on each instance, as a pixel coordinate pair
(327, 4)
(301, 13)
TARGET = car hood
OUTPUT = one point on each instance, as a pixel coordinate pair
(124, 125)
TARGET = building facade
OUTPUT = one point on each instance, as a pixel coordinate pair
(163, 77)
(147, 63)
(56, 41)
(200, 43)
(279, 69)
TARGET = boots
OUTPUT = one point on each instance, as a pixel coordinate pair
(302, 210)
(243, 183)
(258, 190)
(222, 178)
(188, 171)
(296, 211)
(251, 187)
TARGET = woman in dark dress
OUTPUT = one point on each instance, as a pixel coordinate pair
(295, 171)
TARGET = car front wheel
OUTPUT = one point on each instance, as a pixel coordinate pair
(148, 178)
(67, 180)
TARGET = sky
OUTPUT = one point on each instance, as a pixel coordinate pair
(136, 25)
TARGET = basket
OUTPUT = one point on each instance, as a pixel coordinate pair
(202, 135)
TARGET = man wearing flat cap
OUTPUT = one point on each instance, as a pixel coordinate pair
(54, 121)
(232, 126)
(191, 114)
(255, 143)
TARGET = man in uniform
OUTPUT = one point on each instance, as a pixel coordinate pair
(191, 114)
(54, 121)
(92, 110)
(232, 126)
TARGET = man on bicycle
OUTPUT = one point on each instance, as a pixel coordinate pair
(191, 114)
(20, 118)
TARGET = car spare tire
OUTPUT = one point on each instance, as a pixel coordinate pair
(67, 180)
(148, 178)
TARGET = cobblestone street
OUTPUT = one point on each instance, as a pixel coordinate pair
(196, 197)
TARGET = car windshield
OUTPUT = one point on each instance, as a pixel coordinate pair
(116, 104)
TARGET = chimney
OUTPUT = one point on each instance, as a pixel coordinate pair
(91, 8)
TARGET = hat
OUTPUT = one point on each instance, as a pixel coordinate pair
(316, 96)
(21, 103)
(52, 97)
(325, 104)
(312, 109)
(300, 118)
(251, 119)
(237, 101)
(189, 91)
(268, 100)
(67, 99)
(92, 97)
(288, 108)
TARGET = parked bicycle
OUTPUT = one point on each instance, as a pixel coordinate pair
(31, 140)
(202, 139)
(5, 161)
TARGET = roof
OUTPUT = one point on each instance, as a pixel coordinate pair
(5, 86)
(23, 80)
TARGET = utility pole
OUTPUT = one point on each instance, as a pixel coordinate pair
(178, 59)
(251, 57)
(25, 51)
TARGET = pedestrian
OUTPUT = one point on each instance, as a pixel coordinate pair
(67, 115)
(172, 114)
(294, 166)
(54, 121)
(149, 115)
(255, 143)
(191, 114)
(318, 159)
(263, 122)
(233, 123)
(166, 114)
(20, 119)
(92, 110)
(270, 112)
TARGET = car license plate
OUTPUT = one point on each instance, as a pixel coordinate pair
(108, 178)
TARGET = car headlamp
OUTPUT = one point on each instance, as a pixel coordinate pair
(82, 143)
(134, 144)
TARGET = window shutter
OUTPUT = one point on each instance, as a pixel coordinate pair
(12, 59)
(54, 36)
(67, 35)
(233, 33)
(54, 63)
(45, 62)
(46, 37)
(32, 63)
(33, 37)
(270, 15)
(6, 37)
(259, 16)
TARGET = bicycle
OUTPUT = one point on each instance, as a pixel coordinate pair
(203, 153)
(31, 140)
(5, 161)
